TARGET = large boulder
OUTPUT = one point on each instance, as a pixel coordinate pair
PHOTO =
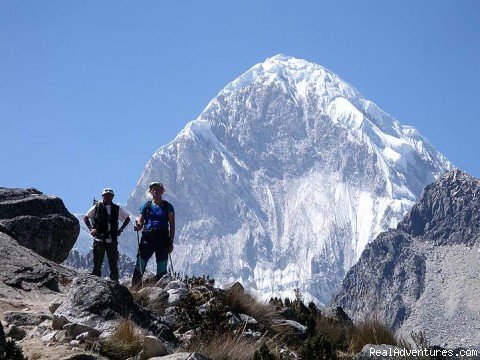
(38, 222)
(99, 304)
(23, 269)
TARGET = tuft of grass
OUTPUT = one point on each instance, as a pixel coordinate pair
(242, 302)
(142, 297)
(371, 331)
(125, 342)
(225, 347)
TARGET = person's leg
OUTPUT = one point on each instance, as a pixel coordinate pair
(98, 255)
(145, 253)
(112, 255)
(161, 255)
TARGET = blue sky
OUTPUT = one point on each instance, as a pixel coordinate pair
(90, 89)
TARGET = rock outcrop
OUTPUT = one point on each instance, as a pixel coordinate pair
(423, 275)
(96, 303)
(23, 269)
(38, 222)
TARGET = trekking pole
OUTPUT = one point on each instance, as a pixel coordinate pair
(139, 255)
(171, 264)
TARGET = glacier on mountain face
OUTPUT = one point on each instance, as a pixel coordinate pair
(285, 177)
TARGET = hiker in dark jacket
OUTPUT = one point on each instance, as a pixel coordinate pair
(157, 222)
(105, 231)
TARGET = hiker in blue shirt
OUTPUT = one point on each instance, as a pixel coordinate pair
(157, 222)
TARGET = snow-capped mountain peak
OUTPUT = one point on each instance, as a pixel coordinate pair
(285, 177)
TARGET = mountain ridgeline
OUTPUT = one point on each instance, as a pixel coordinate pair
(423, 276)
(285, 177)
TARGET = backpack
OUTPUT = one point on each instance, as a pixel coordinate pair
(165, 205)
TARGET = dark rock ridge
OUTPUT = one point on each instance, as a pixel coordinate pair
(80, 261)
(38, 222)
(395, 271)
(447, 212)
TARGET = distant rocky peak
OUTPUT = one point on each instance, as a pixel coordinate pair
(448, 210)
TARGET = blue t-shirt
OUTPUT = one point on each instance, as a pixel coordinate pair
(156, 219)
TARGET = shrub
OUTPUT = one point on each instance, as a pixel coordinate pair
(125, 342)
(263, 353)
(13, 351)
(317, 348)
(188, 312)
(371, 331)
(215, 319)
(333, 331)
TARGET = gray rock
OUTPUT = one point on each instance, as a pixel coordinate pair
(165, 279)
(49, 336)
(154, 294)
(83, 337)
(248, 319)
(22, 268)
(175, 296)
(250, 334)
(62, 336)
(22, 318)
(182, 356)
(73, 330)
(83, 356)
(235, 287)
(99, 303)
(153, 346)
(175, 285)
(38, 222)
(16, 332)
(233, 319)
(170, 317)
(295, 328)
(59, 321)
(54, 305)
(74, 343)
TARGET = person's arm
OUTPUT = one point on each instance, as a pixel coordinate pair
(86, 220)
(124, 225)
(171, 222)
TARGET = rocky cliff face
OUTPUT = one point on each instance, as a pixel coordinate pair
(424, 275)
(38, 222)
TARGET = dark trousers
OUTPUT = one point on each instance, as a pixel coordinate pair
(150, 243)
(99, 249)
